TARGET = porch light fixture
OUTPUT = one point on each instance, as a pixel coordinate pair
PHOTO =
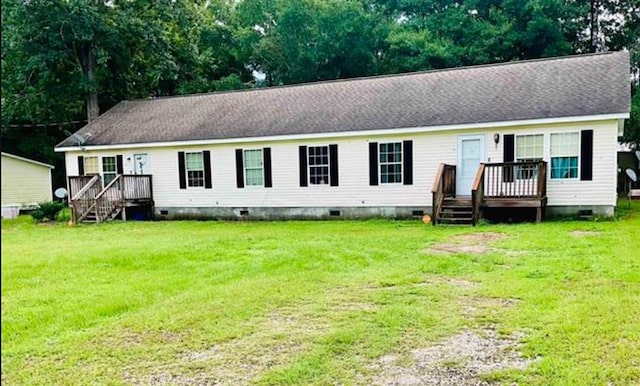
(496, 139)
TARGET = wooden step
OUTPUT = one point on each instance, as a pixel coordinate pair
(457, 202)
(455, 220)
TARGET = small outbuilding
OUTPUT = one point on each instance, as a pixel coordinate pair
(25, 183)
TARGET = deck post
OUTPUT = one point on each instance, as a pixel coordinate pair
(539, 214)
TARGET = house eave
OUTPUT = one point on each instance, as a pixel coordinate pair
(396, 131)
(28, 160)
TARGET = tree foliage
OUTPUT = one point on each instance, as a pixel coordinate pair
(61, 56)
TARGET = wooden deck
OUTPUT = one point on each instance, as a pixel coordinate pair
(90, 201)
(496, 185)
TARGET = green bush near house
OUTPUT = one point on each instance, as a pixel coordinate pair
(48, 210)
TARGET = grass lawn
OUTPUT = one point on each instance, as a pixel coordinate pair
(316, 302)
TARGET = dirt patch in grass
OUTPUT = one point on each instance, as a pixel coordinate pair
(278, 338)
(477, 305)
(584, 233)
(471, 243)
(462, 359)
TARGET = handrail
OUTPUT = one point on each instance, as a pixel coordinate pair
(108, 186)
(437, 182)
(86, 187)
(444, 185)
(477, 194)
(109, 199)
(84, 201)
(542, 182)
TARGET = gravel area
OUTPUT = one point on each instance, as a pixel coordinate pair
(459, 360)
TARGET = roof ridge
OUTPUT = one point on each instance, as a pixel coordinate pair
(381, 76)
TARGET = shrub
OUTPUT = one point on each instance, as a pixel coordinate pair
(47, 210)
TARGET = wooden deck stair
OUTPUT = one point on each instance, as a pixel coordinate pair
(496, 185)
(456, 211)
(90, 202)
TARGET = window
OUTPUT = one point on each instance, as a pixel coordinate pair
(565, 150)
(253, 167)
(529, 148)
(91, 165)
(391, 163)
(319, 165)
(108, 169)
(195, 169)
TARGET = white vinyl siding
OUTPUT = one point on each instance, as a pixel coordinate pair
(430, 149)
(24, 183)
(253, 167)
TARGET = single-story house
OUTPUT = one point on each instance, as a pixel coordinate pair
(539, 133)
(25, 183)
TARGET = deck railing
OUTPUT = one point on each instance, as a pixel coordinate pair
(477, 194)
(137, 187)
(110, 199)
(87, 195)
(444, 186)
(84, 200)
(76, 183)
(515, 180)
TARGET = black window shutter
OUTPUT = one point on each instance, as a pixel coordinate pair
(239, 169)
(373, 163)
(586, 155)
(119, 166)
(266, 155)
(182, 170)
(302, 156)
(508, 156)
(206, 159)
(407, 164)
(333, 165)
(80, 165)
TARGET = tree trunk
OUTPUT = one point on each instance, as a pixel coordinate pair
(593, 25)
(88, 60)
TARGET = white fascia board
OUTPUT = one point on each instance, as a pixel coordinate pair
(28, 160)
(621, 127)
(407, 130)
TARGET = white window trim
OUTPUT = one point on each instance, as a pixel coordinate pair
(186, 170)
(328, 166)
(515, 155)
(391, 163)
(103, 172)
(98, 164)
(579, 171)
(244, 168)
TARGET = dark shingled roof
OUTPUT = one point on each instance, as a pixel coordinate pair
(548, 88)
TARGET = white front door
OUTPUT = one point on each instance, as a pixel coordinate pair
(470, 155)
(141, 164)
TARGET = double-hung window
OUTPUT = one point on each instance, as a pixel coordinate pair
(318, 165)
(254, 167)
(390, 162)
(194, 166)
(529, 148)
(565, 151)
(108, 169)
(91, 165)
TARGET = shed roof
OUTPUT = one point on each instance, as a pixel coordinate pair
(27, 160)
(571, 86)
